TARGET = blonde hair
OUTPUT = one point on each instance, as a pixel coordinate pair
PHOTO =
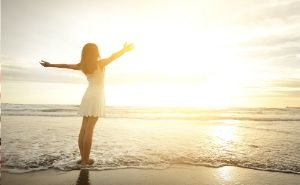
(89, 58)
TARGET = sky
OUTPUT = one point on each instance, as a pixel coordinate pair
(222, 53)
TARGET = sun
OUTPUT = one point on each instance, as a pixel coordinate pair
(173, 67)
(184, 70)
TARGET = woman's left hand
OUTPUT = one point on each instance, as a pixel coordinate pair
(128, 47)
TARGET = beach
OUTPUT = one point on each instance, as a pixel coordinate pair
(152, 146)
(177, 175)
(150, 92)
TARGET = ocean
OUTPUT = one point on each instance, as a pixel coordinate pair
(37, 137)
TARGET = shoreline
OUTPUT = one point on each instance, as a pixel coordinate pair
(7, 170)
(174, 175)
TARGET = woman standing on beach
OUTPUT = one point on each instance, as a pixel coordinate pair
(93, 103)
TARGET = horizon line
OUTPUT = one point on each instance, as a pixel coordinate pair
(159, 106)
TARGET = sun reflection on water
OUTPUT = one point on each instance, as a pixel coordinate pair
(225, 173)
(224, 134)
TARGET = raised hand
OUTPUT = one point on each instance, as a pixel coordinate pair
(45, 63)
(128, 47)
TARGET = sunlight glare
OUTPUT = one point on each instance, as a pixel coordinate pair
(224, 134)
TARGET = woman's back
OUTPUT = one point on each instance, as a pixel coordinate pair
(97, 77)
(93, 100)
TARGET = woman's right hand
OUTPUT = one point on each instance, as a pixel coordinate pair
(45, 63)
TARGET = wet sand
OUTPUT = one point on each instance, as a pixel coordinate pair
(177, 175)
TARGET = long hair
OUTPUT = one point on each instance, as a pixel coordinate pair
(89, 58)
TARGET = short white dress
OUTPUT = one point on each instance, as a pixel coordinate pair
(93, 100)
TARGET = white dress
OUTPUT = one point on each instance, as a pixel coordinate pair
(93, 101)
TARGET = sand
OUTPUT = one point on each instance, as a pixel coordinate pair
(177, 175)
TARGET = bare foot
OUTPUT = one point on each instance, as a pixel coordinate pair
(91, 161)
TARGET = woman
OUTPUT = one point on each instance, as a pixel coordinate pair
(92, 104)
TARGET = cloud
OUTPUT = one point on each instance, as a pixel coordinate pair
(284, 94)
(289, 88)
(271, 12)
(273, 40)
(20, 70)
(289, 83)
(276, 39)
(271, 52)
(280, 49)
(281, 88)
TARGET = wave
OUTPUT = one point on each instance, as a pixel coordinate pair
(247, 114)
(72, 165)
(73, 113)
(67, 162)
(39, 110)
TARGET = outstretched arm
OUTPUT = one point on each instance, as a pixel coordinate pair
(126, 48)
(68, 66)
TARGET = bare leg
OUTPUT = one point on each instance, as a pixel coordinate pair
(87, 139)
(81, 134)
